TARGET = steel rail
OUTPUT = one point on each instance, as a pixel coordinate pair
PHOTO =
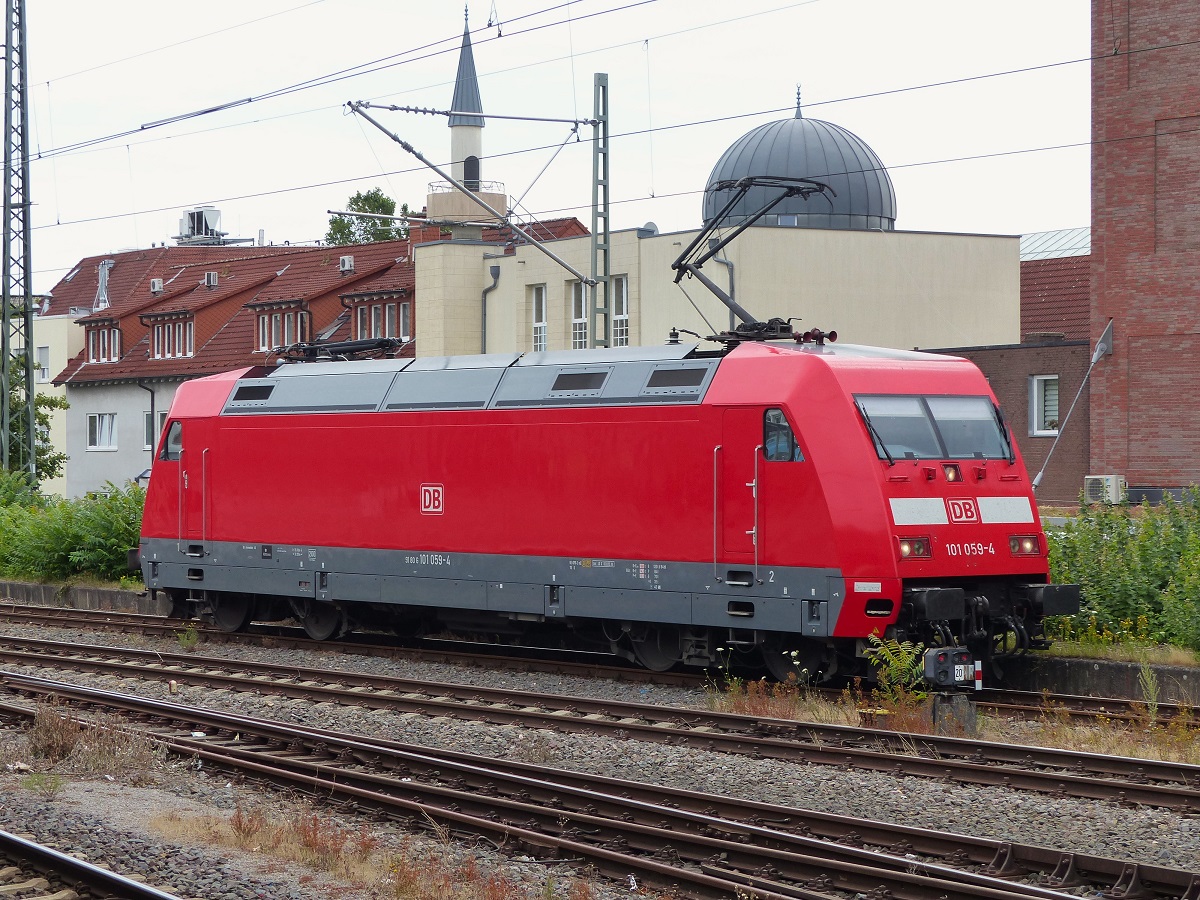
(356, 644)
(76, 872)
(1094, 776)
(531, 809)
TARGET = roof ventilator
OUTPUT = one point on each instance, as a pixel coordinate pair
(101, 301)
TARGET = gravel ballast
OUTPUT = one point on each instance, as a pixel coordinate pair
(1143, 835)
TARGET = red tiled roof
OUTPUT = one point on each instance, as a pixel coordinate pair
(1055, 296)
(129, 278)
(225, 328)
(543, 230)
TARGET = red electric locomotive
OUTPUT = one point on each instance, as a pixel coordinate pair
(783, 499)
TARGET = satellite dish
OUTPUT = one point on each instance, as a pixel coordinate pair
(647, 230)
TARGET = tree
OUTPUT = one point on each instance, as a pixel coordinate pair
(361, 230)
(49, 461)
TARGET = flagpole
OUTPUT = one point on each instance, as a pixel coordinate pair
(1103, 348)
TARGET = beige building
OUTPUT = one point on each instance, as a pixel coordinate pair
(888, 288)
(56, 340)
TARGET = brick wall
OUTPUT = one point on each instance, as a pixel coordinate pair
(1054, 297)
(1145, 237)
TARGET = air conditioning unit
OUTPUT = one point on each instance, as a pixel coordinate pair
(156, 285)
(346, 264)
(210, 279)
(1104, 488)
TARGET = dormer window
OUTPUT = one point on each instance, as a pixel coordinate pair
(173, 340)
(383, 320)
(280, 328)
(104, 344)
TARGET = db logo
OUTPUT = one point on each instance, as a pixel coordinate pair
(963, 510)
(432, 500)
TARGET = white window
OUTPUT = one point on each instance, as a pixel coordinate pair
(151, 433)
(579, 316)
(377, 321)
(276, 330)
(102, 431)
(264, 332)
(537, 298)
(620, 311)
(174, 339)
(361, 319)
(42, 365)
(104, 344)
(1043, 405)
(405, 322)
(289, 328)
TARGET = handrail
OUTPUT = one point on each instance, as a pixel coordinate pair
(716, 502)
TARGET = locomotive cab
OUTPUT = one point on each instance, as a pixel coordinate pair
(971, 554)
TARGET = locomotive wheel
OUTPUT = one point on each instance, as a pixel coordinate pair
(322, 621)
(233, 612)
(659, 650)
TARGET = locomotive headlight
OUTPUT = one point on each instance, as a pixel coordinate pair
(915, 548)
(952, 472)
(1024, 545)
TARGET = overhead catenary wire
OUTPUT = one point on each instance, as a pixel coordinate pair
(652, 130)
(327, 79)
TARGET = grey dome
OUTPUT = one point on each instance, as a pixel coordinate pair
(807, 148)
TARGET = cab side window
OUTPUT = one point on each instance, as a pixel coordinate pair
(174, 443)
(779, 441)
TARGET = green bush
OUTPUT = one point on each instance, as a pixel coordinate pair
(19, 489)
(64, 539)
(1139, 568)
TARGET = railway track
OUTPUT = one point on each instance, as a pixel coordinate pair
(434, 650)
(994, 701)
(701, 845)
(31, 871)
(1062, 773)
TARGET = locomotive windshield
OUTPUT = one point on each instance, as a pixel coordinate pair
(905, 427)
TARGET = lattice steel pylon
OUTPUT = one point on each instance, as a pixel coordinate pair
(17, 413)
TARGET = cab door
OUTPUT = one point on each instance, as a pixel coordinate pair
(739, 464)
(193, 485)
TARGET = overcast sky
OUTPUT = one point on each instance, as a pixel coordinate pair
(979, 109)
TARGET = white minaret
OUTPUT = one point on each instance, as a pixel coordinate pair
(445, 204)
(466, 132)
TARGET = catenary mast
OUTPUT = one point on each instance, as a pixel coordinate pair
(17, 431)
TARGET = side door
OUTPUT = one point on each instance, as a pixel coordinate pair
(739, 465)
(193, 484)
